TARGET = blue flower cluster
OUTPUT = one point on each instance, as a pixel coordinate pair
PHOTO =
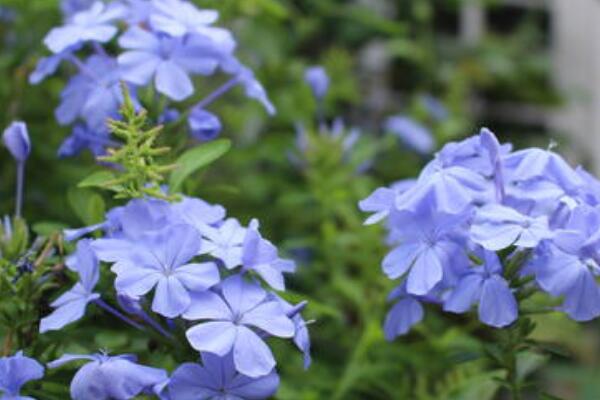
(163, 45)
(483, 222)
(183, 260)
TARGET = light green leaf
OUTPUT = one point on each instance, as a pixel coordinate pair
(195, 159)
(97, 179)
(87, 205)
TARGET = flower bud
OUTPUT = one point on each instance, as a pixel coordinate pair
(204, 125)
(16, 140)
(316, 77)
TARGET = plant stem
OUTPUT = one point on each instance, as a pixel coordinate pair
(117, 314)
(20, 184)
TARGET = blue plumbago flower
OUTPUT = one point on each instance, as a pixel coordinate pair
(160, 260)
(217, 379)
(427, 242)
(477, 197)
(412, 133)
(318, 80)
(117, 377)
(15, 372)
(301, 335)
(167, 60)
(71, 7)
(380, 202)
(47, 66)
(93, 95)
(71, 305)
(485, 285)
(179, 18)
(252, 87)
(260, 255)
(83, 138)
(203, 124)
(406, 312)
(224, 242)
(16, 140)
(569, 266)
(231, 318)
(496, 227)
(96, 24)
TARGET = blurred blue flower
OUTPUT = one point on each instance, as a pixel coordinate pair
(318, 80)
(83, 138)
(94, 95)
(217, 379)
(203, 124)
(16, 140)
(107, 378)
(47, 66)
(15, 372)
(411, 133)
(179, 18)
(230, 317)
(71, 7)
(252, 87)
(435, 107)
(485, 285)
(95, 24)
(71, 305)
(167, 60)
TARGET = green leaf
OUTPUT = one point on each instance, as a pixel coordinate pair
(196, 158)
(47, 228)
(97, 179)
(87, 205)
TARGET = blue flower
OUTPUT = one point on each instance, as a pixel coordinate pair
(108, 378)
(230, 318)
(167, 60)
(16, 140)
(179, 18)
(428, 242)
(412, 133)
(47, 66)
(252, 87)
(569, 266)
(93, 95)
(496, 227)
(224, 242)
(301, 335)
(318, 80)
(260, 255)
(161, 260)
(406, 312)
(217, 379)
(71, 305)
(82, 138)
(485, 285)
(380, 202)
(93, 25)
(203, 124)
(71, 7)
(15, 372)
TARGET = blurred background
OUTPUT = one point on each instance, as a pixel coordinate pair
(527, 69)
